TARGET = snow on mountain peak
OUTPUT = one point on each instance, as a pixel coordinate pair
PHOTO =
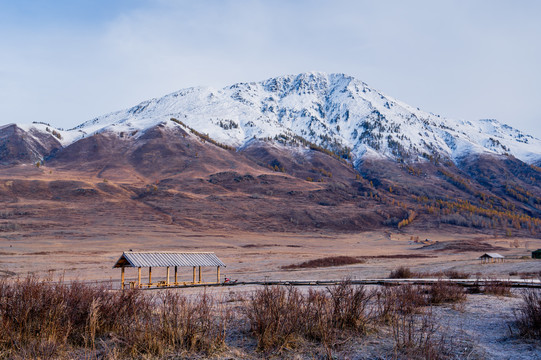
(334, 111)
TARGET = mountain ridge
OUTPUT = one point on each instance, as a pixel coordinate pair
(277, 155)
(334, 111)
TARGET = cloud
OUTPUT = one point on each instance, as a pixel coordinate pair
(457, 58)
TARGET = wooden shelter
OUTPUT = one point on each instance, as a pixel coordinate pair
(139, 260)
(536, 254)
(491, 258)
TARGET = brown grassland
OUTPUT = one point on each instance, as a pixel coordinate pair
(60, 299)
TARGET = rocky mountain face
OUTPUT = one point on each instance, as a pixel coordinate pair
(18, 146)
(294, 153)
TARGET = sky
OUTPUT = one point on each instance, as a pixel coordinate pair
(64, 62)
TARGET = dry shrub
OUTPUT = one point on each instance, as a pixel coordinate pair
(41, 316)
(282, 317)
(497, 287)
(475, 288)
(454, 274)
(529, 314)
(406, 273)
(404, 308)
(41, 319)
(402, 273)
(274, 314)
(326, 262)
(349, 304)
(415, 337)
(175, 323)
(393, 301)
(408, 299)
(445, 292)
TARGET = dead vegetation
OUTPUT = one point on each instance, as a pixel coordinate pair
(498, 288)
(529, 314)
(42, 319)
(403, 272)
(462, 246)
(325, 262)
(283, 318)
(50, 320)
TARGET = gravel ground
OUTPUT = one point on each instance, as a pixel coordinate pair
(486, 322)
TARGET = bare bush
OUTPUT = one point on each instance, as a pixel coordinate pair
(453, 274)
(445, 292)
(281, 318)
(402, 273)
(528, 314)
(40, 319)
(497, 287)
(326, 262)
(350, 310)
(274, 314)
(415, 336)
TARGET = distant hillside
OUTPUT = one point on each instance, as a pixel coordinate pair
(309, 152)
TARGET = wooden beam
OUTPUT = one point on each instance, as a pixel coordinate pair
(200, 278)
(167, 281)
(139, 277)
(122, 278)
(176, 272)
(149, 277)
(217, 274)
(194, 274)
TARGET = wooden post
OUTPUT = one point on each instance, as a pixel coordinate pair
(176, 278)
(167, 282)
(122, 278)
(218, 274)
(149, 277)
(200, 274)
(194, 274)
(139, 277)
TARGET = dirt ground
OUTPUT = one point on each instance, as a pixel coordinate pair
(480, 328)
(90, 257)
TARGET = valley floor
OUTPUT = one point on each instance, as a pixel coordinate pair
(87, 256)
(480, 328)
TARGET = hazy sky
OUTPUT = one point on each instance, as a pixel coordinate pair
(65, 62)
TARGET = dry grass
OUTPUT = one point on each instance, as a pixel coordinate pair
(445, 292)
(529, 314)
(414, 329)
(526, 274)
(403, 272)
(282, 318)
(416, 337)
(497, 287)
(46, 320)
(325, 262)
(41, 319)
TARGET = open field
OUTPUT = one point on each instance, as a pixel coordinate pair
(76, 254)
(81, 238)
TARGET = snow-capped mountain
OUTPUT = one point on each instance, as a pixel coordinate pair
(334, 111)
(175, 156)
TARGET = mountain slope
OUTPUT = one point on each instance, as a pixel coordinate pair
(295, 153)
(20, 146)
(334, 111)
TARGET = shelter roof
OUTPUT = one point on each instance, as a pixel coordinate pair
(163, 259)
(492, 255)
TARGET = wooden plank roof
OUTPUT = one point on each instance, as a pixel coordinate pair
(163, 259)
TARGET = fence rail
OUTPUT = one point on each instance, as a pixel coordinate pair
(515, 283)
